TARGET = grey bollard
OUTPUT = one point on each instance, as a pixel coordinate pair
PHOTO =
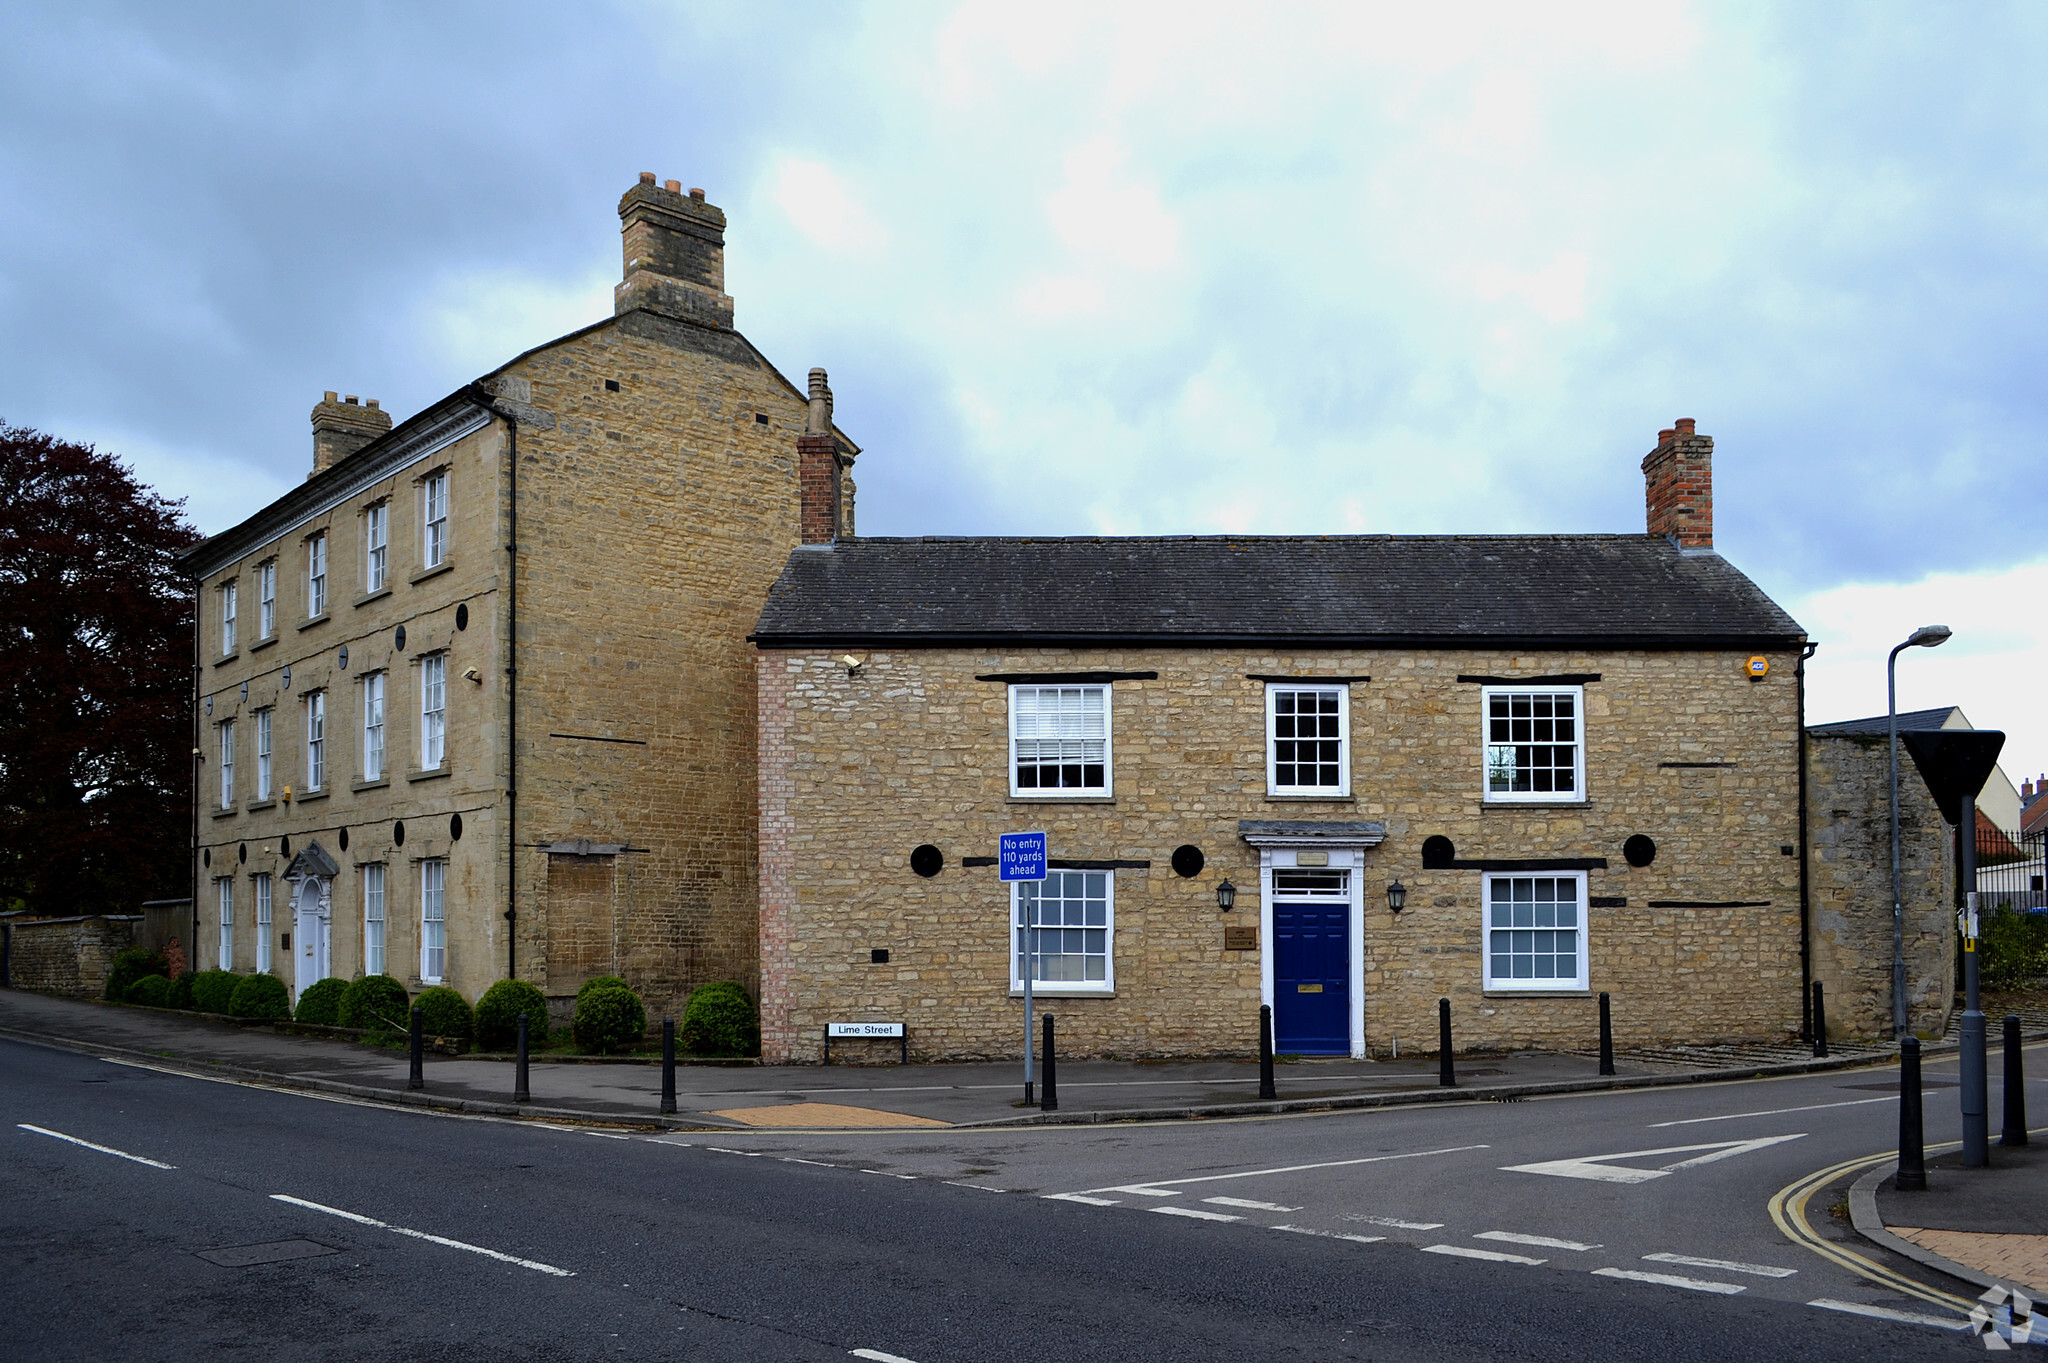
(1606, 1036)
(519, 1090)
(2015, 1086)
(1446, 1076)
(1912, 1175)
(1266, 1089)
(418, 1079)
(668, 1065)
(1049, 1084)
(1820, 1023)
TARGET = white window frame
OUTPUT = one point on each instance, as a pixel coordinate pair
(1577, 795)
(1107, 789)
(1342, 691)
(434, 520)
(376, 546)
(373, 726)
(226, 886)
(316, 575)
(316, 740)
(266, 598)
(433, 919)
(433, 711)
(262, 880)
(227, 763)
(373, 918)
(1552, 984)
(263, 763)
(230, 592)
(1045, 988)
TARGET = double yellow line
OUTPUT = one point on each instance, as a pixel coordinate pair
(1788, 1210)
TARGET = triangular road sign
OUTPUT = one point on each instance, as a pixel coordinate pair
(1602, 1168)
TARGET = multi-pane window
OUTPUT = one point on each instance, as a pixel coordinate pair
(316, 740)
(1308, 734)
(228, 593)
(226, 889)
(1535, 745)
(262, 879)
(263, 754)
(1064, 926)
(433, 710)
(227, 764)
(373, 919)
(435, 550)
(376, 545)
(373, 727)
(1535, 931)
(433, 925)
(1059, 739)
(316, 575)
(266, 598)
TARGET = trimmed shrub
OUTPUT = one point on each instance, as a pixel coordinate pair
(601, 982)
(720, 1020)
(213, 990)
(443, 1012)
(321, 1003)
(181, 992)
(608, 1018)
(261, 996)
(152, 991)
(376, 1001)
(497, 1015)
(130, 966)
(2013, 950)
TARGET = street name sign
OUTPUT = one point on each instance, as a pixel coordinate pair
(888, 1029)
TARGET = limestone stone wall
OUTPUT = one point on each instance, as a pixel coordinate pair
(69, 957)
(858, 767)
(1850, 821)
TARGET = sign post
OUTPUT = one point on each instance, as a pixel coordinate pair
(1021, 856)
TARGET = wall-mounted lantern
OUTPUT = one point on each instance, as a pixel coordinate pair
(1397, 896)
(1226, 896)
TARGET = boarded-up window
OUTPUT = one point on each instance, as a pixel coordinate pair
(581, 920)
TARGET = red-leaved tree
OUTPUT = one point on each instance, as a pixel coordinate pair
(95, 681)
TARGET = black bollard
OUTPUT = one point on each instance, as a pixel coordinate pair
(1820, 1023)
(1446, 1077)
(1049, 1086)
(2015, 1086)
(419, 1051)
(668, 1065)
(519, 1093)
(1266, 1089)
(1912, 1175)
(1606, 1037)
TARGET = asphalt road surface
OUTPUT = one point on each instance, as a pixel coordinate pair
(147, 1215)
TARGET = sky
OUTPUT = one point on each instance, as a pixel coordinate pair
(1122, 269)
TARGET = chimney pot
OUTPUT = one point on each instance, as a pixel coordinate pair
(329, 396)
(1664, 436)
(697, 194)
(1678, 486)
(646, 177)
(1684, 425)
(672, 186)
(372, 403)
(350, 399)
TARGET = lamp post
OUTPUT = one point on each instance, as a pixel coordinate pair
(1927, 636)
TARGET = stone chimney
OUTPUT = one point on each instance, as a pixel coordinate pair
(1678, 485)
(342, 427)
(675, 254)
(817, 469)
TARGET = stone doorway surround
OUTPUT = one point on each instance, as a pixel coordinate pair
(311, 876)
(1291, 843)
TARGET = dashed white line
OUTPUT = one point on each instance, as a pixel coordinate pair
(1140, 1190)
(877, 1356)
(1332, 1234)
(1490, 1255)
(103, 1149)
(1670, 1280)
(815, 1163)
(1082, 1198)
(1248, 1205)
(1194, 1213)
(1725, 1265)
(1886, 1313)
(978, 1187)
(1540, 1241)
(360, 1219)
(1159, 1187)
(907, 1178)
(1396, 1222)
(1775, 1112)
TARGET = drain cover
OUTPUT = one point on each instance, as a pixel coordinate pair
(275, 1252)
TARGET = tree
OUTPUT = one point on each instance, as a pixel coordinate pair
(95, 681)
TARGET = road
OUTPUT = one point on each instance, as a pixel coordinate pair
(1389, 1234)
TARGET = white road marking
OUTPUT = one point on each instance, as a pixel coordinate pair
(978, 1187)
(1540, 1241)
(750, 1154)
(1886, 1313)
(533, 1264)
(616, 1136)
(1140, 1189)
(908, 1178)
(1725, 1265)
(1670, 1280)
(1332, 1235)
(1396, 1222)
(103, 1149)
(1081, 1198)
(1248, 1205)
(1158, 1186)
(1775, 1112)
(1194, 1213)
(1490, 1255)
(816, 1163)
(1597, 1166)
(877, 1356)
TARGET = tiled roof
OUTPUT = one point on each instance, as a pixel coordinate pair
(1909, 721)
(1613, 590)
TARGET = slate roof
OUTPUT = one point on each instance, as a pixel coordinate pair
(1447, 590)
(1909, 721)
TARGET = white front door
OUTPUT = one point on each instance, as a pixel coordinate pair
(309, 934)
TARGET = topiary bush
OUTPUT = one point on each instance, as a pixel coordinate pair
(497, 1015)
(720, 1020)
(130, 966)
(321, 1002)
(376, 1001)
(601, 982)
(608, 1018)
(152, 991)
(213, 990)
(181, 992)
(443, 1012)
(260, 996)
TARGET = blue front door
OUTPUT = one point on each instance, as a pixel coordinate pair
(1311, 978)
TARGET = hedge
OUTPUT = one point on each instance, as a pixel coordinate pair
(212, 990)
(720, 1020)
(321, 1002)
(261, 996)
(601, 982)
(443, 1012)
(181, 992)
(130, 966)
(152, 991)
(2013, 950)
(608, 1018)
(497, 1015)
(376, 1001)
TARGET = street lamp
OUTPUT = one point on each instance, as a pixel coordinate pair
(1927, 636)
(1397, 896)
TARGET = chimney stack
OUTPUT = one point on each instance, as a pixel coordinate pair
(674, 252)
(817, 469)
(1678, 486)
(342, 427)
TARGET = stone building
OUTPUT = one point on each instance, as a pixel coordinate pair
(474, 700)
(1513, 771)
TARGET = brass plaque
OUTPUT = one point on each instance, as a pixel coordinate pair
(1311, 858)
(1308, 989)
(1240, 939)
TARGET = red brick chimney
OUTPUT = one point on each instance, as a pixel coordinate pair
(1678, 486)
(341, 427)
(817, 469)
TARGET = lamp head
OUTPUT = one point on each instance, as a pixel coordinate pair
(1397, 896)
(1929, 636)
(1226, 896)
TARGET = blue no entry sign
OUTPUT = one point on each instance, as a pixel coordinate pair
(1021, 856)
